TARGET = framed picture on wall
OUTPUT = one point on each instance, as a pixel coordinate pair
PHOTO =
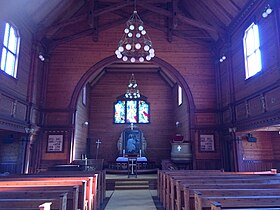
(55, 143)
(206, 143)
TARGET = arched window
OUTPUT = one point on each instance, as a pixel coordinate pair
(131, 110)
(9, 38)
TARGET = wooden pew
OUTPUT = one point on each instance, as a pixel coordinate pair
(188, 196)
(204, 202)
(42, 192)
(100, 182)
(218, 206)
(84, 192)
(174, 188)
(59, 203)
(230, 193)
(164, 176)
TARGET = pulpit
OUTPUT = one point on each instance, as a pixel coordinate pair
(181, 152)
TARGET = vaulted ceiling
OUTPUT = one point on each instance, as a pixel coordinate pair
(198, 20)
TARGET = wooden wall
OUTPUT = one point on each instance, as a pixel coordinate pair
(248, 104)
(158, 133)
(70, 61)
(81, 125)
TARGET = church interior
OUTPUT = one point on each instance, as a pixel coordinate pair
(151, 85)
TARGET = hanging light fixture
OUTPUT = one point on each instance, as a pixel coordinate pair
(132, 90)
(135, 44)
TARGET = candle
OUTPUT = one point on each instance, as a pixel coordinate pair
(123, 152)
(140, 152)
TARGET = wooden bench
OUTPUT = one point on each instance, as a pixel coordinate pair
(230, 193)
(42, 192)
(100, 182)
(84, 191)
(188, 198)
(174, 188)
(58, 202)
(204, 202)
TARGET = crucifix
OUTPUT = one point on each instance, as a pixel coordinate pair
(98, 142)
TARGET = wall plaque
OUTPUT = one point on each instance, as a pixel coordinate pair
(55, 143)
(207, 143)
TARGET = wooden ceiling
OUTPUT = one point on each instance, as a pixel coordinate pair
(197, 20)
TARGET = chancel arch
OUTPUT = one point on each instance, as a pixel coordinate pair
(160, 77)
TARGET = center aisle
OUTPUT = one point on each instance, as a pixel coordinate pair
(131, 200)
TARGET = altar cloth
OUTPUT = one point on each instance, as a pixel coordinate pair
(125, 159)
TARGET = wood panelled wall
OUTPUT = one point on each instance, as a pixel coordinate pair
(158, 133)
(255, 98)
(248, 104)
(70, 61)
(259, 155)
(81, 125)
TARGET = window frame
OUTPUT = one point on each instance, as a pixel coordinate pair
(15, 55)
(256, 51)
(123, 98)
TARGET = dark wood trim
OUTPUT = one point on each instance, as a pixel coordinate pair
(182, 18)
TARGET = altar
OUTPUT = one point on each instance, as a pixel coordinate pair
(125, 159)
(131, 143)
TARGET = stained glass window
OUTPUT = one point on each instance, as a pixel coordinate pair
(120, 112)
(143, 112)
(131, 111)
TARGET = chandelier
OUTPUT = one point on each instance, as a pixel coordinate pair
(135, 44)
(132, 90)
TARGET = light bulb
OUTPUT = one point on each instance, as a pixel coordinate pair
(146, 48)
(126, 30)
(148, 57)
(264, 14)
(131, 27)
(121, 49)
(117, 52)
(132, 59)
(141, 59)
(119, 56)
(138, 35)
(128, 46)
(138, 46)
(129, 34)
(124, 58)
(224, 57)
(268, 10)
(143, 32)
(140, 28)
(151, 51)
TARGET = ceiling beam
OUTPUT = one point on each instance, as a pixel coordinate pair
(182, 18)
(111, 8)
